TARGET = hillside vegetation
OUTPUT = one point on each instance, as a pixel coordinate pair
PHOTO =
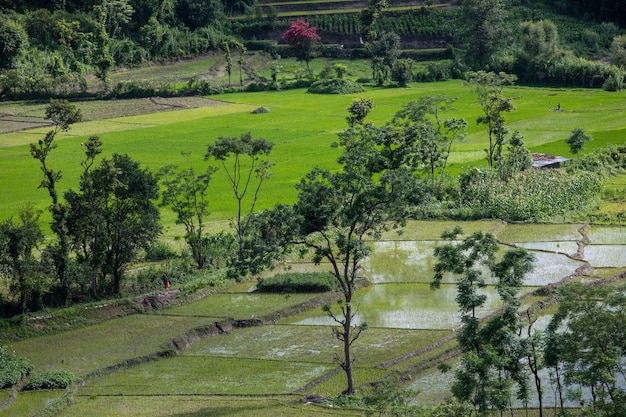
(353, 156)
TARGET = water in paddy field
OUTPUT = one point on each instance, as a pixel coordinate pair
(606, 247)
(540, 233)
(433, 386)
(413, 261)
(606, 256)
(565, 247)
(406, 306)
(605, 235)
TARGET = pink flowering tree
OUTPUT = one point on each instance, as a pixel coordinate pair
(304, 41)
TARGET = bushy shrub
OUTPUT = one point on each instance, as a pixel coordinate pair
(579, 72)
(219, 249)
(51, 380)
(436, 71)
(12, 368)
(296, 282)
(614, 82)
(610, 160)
(256, 87)
(160, 251)
(335, 86)
(402, 71)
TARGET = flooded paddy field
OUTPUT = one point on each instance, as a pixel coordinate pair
(412, 328)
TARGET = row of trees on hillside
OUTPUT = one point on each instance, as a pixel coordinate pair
(53, 48)
(601, 11)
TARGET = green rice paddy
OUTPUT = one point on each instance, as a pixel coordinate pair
(265, 370)
(302, 126)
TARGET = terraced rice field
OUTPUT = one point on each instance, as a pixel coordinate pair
(268, 368)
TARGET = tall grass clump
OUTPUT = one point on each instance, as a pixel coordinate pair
(296, 282)
(532, 195)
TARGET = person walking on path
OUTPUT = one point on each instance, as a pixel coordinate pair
(166, 280)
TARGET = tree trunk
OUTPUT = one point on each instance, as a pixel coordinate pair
(347, 331)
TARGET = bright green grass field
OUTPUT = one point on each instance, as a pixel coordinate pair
(302, 126)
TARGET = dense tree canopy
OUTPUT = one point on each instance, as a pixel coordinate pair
(484, 32)
(119, 199)
(601, 10)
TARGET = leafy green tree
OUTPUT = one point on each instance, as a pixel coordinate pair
(492, 351)
(358, 111)
(517, 159)
(576, 141)
(618, 51)
(338, 211)
(12, 368)
(488, 87)
(62, 114)
(10, 81)
(229, 59)
(369, 19)
(241, 48)
(101, 54)
(84, 220)
(18, 242)
(241, 160)
(402, 72)
(484, 33)
(385, 50)
(534, 344)
(586, 344)
(118, 14)
(237, 6)
(13, 42)
(421, 122)
(539, 47)
(132, 219)
(186, 194)
(380, 72)
(123, 195)
(197, 14)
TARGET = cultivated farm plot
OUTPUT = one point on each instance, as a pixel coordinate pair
(29, 403)
(302, 126)
(185, 405)
(237, 305)
(86, 350)
(255, 371)
(264, 370)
